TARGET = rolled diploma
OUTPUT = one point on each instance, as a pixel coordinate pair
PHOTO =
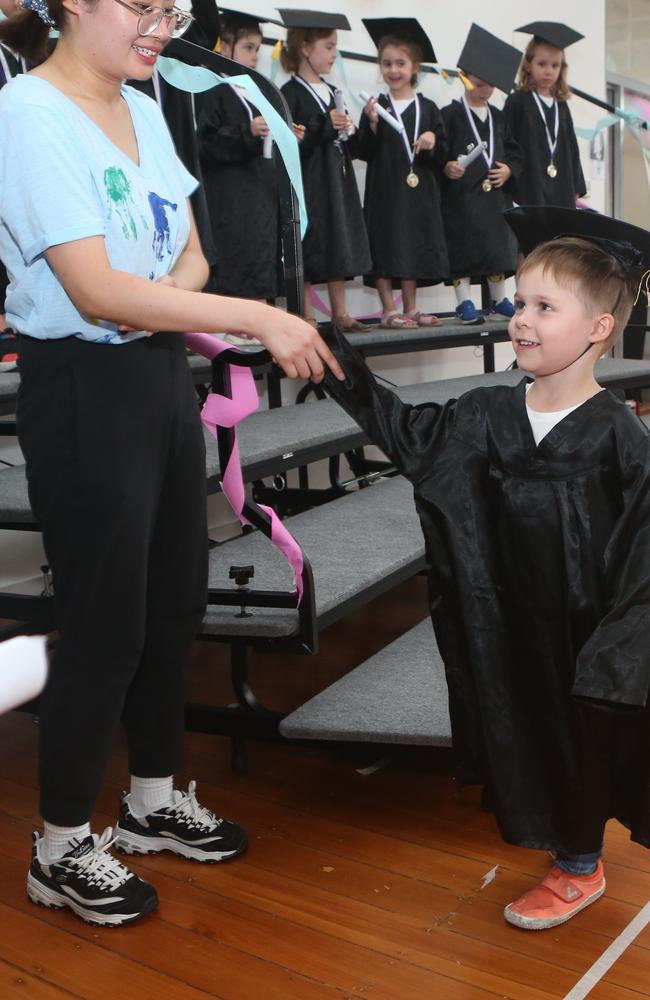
(339, 102)
(383, 114)
(466, 158)
(267, 149)
(23, 670)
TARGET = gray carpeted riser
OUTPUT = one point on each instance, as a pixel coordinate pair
(397, 696)
(269, 434)
(353, 544)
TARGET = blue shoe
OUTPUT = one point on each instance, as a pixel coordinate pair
(503, 309)
(467, 312)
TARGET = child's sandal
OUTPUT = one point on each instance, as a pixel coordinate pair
(395, 321)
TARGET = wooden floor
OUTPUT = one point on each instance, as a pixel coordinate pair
(367, 887)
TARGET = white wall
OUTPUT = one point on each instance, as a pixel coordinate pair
(20, 553)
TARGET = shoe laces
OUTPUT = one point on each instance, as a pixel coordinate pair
(98, 867)
(191, 812)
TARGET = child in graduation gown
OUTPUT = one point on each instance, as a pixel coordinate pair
(239, 179)
(335, 247)
(474, 196)
(539, 119)
(402, 196)
(535, 505)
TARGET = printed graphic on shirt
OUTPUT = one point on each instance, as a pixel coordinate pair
(118, 194)
(162, 236)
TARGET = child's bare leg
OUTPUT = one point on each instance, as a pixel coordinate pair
(391, 318)
(409, 296)
(340, 313)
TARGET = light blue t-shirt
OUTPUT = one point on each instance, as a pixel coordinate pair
(62, 179)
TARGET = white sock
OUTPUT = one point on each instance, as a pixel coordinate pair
(497, 289)
(56, 840)
(149, 794)
(463, 290)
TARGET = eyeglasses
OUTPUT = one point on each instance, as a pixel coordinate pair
(150, 18)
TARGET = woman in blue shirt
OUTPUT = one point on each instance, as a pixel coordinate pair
(101, 247)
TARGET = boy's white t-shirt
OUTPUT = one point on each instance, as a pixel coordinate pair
(543, 423)
(62, 179)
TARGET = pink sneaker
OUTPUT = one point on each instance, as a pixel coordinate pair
(556, 899)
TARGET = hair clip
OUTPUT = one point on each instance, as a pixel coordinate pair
(41, 8)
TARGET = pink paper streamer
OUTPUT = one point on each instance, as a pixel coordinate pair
(224, 411)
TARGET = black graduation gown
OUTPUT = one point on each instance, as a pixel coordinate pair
(242, 195)
(178, 110)
(540, 598)
(404, 224)
(533, 186)
(15, 67)
(479, 242)
(335, 244)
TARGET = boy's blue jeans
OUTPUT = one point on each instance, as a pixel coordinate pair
(578, 864)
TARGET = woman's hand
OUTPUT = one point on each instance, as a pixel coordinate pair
(426, 141)
(299, 131)
(297, 347)
(499, 174)
(453, 170)
(259, 126)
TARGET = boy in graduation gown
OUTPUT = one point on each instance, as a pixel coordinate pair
(539, 119)
(240, 181)
(402, 194)
(335, 247)
(535, 506)
(479, 242)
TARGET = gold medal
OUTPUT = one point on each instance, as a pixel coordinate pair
(487, 185)
(412, 179)
(551, 170)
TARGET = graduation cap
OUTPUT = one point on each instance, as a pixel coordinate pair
(315, 19)
(560, 36)
(487, 57)
(407, 29)
(237, 19)
(540, 224)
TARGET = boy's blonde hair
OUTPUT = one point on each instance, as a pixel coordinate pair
(596, 277)
(524, 77)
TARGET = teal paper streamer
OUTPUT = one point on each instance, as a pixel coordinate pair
(607, 121)
(197, 79)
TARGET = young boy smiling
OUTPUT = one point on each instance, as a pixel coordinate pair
(535, 506)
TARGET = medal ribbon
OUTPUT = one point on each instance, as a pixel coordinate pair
(552, 145)
(488, 155)
(314, 93)
(227, 411)
(410, 148)
(236, 92)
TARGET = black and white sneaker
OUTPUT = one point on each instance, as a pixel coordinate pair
(91, 882)
(186, 828)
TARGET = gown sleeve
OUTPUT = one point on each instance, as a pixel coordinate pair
(613, 667)
(224, 141)
(364, 142)
(514, 155)
(318, 125)
(579, 183)
(409, 435)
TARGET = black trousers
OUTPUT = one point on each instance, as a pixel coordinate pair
(115, 462)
